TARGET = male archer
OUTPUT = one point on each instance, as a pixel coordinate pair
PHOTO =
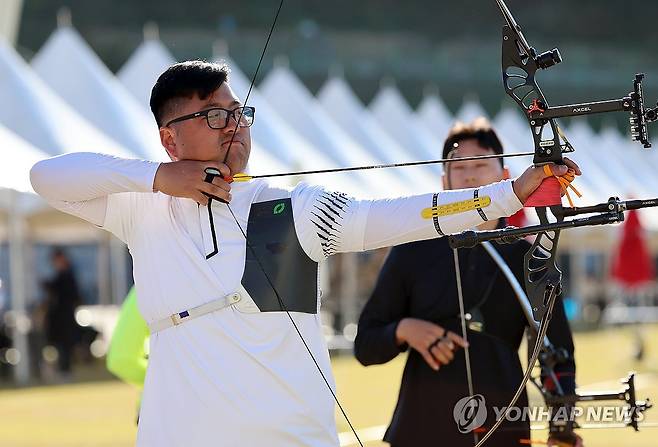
(227, 365)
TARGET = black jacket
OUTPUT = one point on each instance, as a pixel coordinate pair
(63, 298)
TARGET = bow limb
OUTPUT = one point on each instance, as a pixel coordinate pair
(526, 306)
(543, 283)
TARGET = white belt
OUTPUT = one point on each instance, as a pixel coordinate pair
(190, 314)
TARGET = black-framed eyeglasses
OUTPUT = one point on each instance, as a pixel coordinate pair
(217, 118)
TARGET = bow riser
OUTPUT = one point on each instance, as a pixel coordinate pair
(519, 71)
(543, 281)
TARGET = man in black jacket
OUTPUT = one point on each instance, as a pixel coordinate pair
(63, 298)
(414, 304)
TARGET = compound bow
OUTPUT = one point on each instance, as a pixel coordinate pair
(520, 63)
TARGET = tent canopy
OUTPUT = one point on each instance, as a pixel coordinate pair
(396, 117)
(142, 69)
(340, 102)
(18, 157)
(34, 112)
(299, 108)
(71, 69)
(435, 116)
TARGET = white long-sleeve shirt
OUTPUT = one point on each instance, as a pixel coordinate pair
(235, 376)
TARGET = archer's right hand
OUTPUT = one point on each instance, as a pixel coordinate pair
(186, 178)
(433, 342)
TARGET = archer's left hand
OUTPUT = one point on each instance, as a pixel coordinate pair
(530, 180)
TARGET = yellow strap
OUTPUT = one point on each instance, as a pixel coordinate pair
(456, 207)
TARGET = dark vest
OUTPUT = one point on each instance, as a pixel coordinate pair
(273, 247)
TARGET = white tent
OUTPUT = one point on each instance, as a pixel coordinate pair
(588, 156)
(281, 142)
(626, 171)
(397, 118)
(270, 130)
(15, 200)
(470, 110)
(340, 102)
(514, 133)
(16, 194)
(18, 157)
(34, 112)
(18, 199)
(143, 68)
(300, 109)
(632, 157)
(436, 117)
(70, 67)
(24, 219)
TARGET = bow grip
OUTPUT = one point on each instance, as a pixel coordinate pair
(549, 193)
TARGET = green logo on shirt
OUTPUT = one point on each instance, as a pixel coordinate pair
(278, 208)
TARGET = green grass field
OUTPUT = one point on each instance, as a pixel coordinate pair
(96, 414)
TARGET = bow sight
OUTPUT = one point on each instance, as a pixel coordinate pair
(633, 103)
(520, 63)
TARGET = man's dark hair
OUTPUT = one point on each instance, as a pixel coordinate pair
(480, 130)
(184, 80)
(58, 252)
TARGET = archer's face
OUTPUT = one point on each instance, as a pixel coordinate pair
(193, 139)
(472, 173)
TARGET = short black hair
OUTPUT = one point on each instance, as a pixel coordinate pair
(184, 80)
(58, 252)
(480, 130)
